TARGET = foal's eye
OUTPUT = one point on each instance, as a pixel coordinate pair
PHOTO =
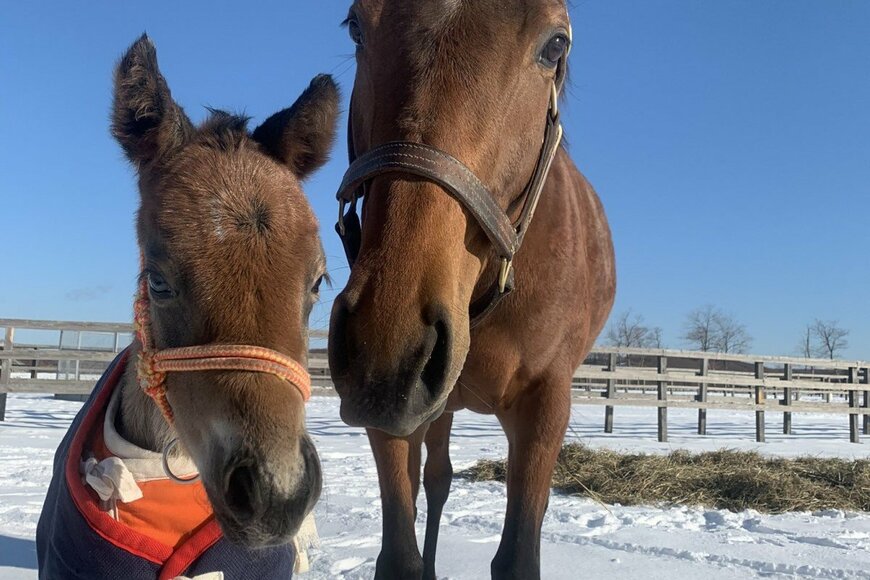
(158, 286)
(554, 50)
(316, 288)
(355, 31)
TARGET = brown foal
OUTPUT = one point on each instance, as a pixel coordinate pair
(230, 255)
(475, 80)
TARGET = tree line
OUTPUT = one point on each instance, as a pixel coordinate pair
(711, 329)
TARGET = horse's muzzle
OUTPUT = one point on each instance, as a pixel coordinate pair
(395, 392)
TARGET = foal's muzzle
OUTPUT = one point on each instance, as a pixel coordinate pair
(251, 508)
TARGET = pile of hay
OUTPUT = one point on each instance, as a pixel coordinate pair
(724, 479)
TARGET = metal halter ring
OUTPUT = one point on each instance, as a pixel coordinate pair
(340, 223)
(504, 272)
(342, 205)
(166, 450)
(554, 101)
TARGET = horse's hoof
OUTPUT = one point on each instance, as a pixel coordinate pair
(398, 568)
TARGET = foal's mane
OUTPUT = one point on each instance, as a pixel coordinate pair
(222, 130)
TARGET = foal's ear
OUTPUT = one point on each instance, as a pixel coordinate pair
(145, 120)
(301, 136)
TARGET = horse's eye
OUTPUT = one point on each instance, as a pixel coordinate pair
(554, 50)
(355, 31)
(316, 288)
(158, 286)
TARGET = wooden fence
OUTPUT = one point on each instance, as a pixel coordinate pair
(668, 379)
(67, 358)
(611, 377)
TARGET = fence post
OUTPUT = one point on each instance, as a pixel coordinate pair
(78, 347)
(611, 393)
(760, 399)
(702, 398)
(786, 392)
(867, 402)
(6, 371)
(854, 434)
(663, 396)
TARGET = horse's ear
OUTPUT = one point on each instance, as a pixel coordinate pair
(301, 136)
(145, 120)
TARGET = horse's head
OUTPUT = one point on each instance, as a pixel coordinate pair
(231, 255)
(475, 80)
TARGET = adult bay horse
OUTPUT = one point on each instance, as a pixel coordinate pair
(457, 298)
(231, 263)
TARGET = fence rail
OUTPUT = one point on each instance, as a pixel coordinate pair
(611, 377)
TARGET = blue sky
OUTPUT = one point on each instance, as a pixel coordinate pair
(729, 141)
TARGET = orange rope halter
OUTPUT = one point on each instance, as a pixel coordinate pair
(153, 365)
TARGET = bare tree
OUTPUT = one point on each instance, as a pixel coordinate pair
(731, 336)
(710, 329)
(629, 331)
(831, 338)
(700, 329)
(807, 347)
(655, 337)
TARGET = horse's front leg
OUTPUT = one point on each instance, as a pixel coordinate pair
(398, 463)
(535, 426)
(437, 477)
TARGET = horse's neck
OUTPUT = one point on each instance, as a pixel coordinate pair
(551, 209)
(570, 217)
(139, 421)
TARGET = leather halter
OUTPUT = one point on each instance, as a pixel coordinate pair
(459, 181)
(154, 364)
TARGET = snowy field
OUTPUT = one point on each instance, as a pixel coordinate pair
(581, 539)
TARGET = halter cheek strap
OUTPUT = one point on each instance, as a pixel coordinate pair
(154, 364)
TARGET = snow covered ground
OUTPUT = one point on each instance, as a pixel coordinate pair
(581, 539)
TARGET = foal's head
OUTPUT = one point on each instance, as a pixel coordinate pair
(473, 79)
(231, 255)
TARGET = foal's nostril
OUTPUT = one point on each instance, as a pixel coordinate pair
(242, 494)
(434, 374)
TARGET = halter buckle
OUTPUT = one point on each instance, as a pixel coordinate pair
(504, 272)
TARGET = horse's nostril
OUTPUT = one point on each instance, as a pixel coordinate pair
(242, 495)
(338, 340)
(435, 369)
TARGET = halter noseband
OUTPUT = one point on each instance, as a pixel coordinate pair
(154, 364)
(459, 181)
